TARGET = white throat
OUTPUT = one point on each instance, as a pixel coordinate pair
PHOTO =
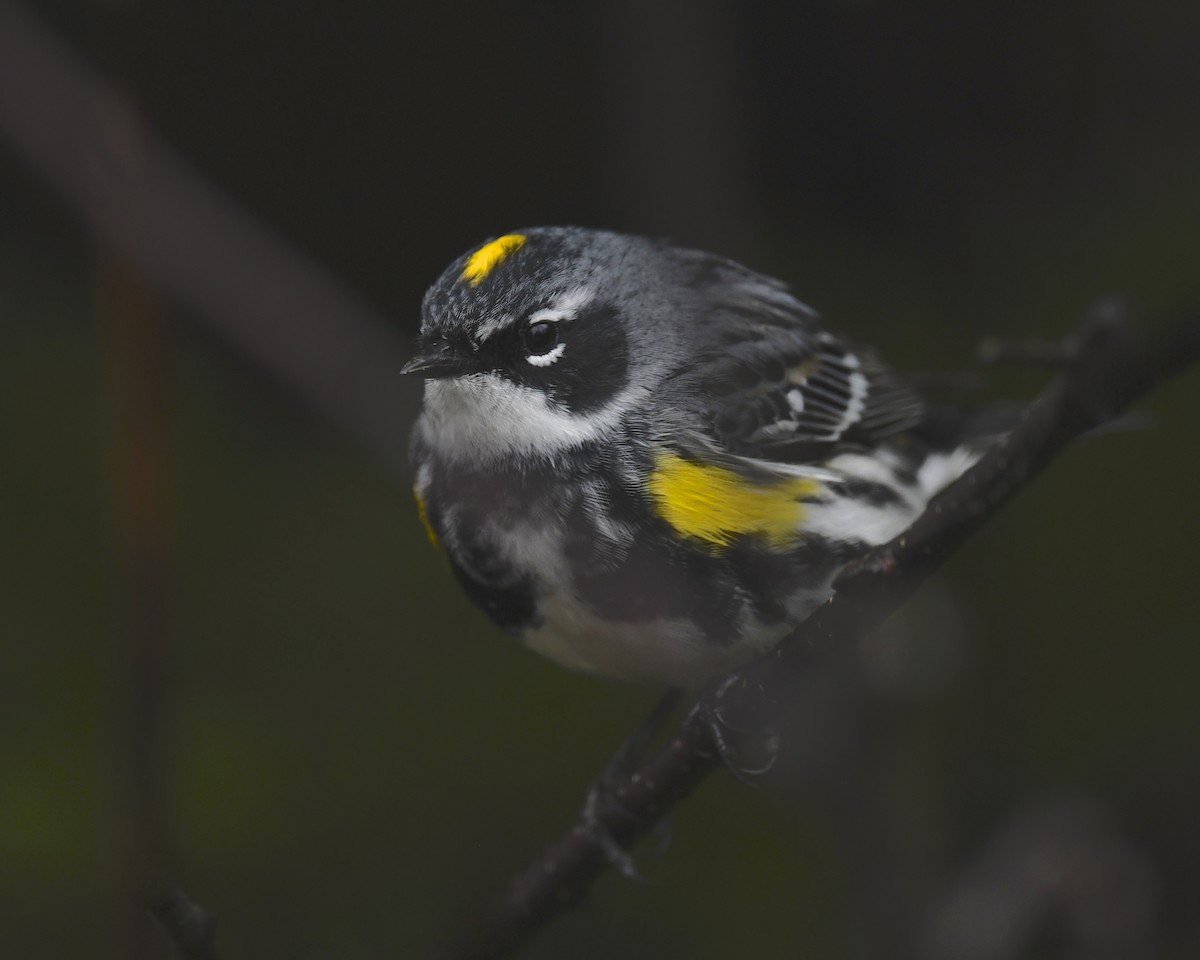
(483, 417)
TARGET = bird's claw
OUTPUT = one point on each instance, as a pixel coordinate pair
(728, 741)
(601, 793)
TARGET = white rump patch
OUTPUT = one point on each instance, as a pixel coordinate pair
(846, 519)
(850, 519)
(878, 466)
(942, 469)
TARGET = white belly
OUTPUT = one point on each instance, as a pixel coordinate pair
(672, 652)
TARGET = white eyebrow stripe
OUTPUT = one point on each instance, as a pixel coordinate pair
(493, 326)
(566, 307)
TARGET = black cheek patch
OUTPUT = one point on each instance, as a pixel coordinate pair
(599, 353)
(593, 368)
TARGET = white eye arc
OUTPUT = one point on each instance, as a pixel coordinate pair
(545, 359)
(541, 336)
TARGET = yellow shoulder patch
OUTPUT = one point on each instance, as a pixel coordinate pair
(488, 257)
(424, 515)
(716, 505)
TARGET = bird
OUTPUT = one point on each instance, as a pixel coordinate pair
(650, 462)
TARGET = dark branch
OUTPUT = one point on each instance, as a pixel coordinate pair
(1114, 360)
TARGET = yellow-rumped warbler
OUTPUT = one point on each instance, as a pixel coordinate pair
(650, 462)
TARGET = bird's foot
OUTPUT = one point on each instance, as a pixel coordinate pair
(747, 752)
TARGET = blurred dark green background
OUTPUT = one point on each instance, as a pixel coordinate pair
(228, 656)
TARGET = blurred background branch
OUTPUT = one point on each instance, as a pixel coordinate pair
(228, 270)
(1059, 875)
(191, 929)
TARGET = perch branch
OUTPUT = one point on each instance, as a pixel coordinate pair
(1114, 360)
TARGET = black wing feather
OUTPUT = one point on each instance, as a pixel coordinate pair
(786, 390)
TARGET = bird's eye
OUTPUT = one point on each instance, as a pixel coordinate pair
(540, 337)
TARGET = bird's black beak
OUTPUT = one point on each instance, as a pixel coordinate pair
(439, 361)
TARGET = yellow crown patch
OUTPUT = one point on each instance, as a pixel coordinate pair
(488, 257)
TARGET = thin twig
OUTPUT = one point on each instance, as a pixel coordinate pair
(1115, 361)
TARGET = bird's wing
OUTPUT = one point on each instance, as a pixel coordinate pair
(781, 388)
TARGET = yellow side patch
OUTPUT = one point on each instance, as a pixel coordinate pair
(424, 515)
(488, 257)
(717, 505)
